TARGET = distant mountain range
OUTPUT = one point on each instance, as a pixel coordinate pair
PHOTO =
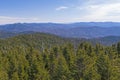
(72, 30)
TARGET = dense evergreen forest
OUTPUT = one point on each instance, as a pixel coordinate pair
(42, 56)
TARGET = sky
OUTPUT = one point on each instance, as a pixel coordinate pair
(59, 11)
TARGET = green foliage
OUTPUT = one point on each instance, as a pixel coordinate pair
(47, 57)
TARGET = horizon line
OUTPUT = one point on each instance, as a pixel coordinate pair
(61, 22)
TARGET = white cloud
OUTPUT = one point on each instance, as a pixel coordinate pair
(89, 10)
(8, 20)
(61, 8)
(101, 12)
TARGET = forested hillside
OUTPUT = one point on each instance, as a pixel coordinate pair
(5, 34)
(107, 40)
(42, 56)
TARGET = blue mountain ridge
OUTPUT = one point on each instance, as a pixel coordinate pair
(69, 30)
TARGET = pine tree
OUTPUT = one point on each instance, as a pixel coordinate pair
(118, 49)
(103, 66)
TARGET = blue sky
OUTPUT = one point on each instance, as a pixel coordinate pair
(65, 11)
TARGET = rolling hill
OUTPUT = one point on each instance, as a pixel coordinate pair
(35, 37)
(71, 30)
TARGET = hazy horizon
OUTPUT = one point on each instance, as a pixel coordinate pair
(59, 11)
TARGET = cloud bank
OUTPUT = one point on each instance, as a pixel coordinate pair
(61, 8)
(9, 20)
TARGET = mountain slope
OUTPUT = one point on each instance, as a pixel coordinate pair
(41, 56)
(39, 39)
(109, 40)
(72, 30)
(5, 34)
